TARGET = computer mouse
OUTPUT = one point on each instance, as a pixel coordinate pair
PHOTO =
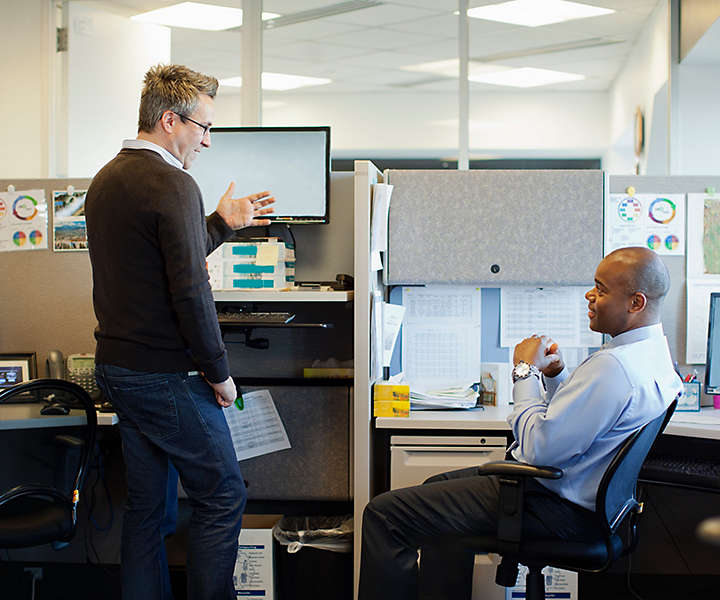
(54, 409)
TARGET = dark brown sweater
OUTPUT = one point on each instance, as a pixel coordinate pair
(148, 239)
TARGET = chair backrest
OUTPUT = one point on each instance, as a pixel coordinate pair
(77, 395)
(616, 493)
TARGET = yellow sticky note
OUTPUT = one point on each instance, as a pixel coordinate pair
(267, 254)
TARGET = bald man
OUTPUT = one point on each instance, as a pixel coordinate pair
(572, 421)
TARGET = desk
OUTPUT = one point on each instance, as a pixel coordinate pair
(27, 416)
(704, 424)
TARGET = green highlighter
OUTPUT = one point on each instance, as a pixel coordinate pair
(239, 403)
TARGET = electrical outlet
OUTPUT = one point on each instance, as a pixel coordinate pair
(35, 572)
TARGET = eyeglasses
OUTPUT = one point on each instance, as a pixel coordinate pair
(205, 128)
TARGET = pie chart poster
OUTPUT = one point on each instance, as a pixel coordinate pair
(655, 221)
(23, 221)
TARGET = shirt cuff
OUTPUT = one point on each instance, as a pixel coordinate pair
(553, 383)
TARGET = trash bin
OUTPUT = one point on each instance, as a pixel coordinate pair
(315, 561)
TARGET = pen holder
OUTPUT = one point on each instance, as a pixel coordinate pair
(690, 399)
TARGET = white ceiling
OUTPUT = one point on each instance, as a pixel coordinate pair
(364, 50)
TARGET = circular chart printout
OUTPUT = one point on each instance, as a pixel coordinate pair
(629, 209)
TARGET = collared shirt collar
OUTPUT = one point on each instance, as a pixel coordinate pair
(635, 335)
(168, 157)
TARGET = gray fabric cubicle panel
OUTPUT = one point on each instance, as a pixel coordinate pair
(539, 227)
(674, 315)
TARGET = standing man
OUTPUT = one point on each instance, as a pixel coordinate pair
(160, 357)
(576, 424)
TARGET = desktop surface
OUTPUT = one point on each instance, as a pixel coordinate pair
(27, 416)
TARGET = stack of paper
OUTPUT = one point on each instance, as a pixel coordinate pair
(422, 398)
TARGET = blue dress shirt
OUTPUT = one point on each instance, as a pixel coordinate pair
(578, 423)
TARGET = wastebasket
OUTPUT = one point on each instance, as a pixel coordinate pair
(315, 558)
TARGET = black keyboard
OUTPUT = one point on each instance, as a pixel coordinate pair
(682, 470)
(255, 317)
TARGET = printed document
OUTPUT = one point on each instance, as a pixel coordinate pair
(559, 312)
(703, 270)
(441, 336)
(256, 429)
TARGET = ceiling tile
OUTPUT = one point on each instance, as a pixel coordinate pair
(379, 39)
(383, 14)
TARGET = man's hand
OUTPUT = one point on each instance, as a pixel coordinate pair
(542, 352)
(225, 392)
(243, 212)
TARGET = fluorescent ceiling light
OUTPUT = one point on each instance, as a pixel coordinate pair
(534, 13)
(497, 74)
(279, 81)
(449, 68)
(526, 77)
(195, 15)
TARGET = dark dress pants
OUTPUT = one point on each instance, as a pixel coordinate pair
(459, 503)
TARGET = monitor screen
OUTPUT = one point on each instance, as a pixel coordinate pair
(712, 362)
(293, 163)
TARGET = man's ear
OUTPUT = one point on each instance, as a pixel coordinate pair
(167, 120)
(638, 302)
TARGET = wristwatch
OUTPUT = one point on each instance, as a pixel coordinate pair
(523, 370)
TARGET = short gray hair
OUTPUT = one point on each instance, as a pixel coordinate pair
(172, 87)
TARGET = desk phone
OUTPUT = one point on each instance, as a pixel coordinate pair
(79, 368)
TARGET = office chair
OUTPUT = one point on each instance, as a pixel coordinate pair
(33, 513)
(615, 503)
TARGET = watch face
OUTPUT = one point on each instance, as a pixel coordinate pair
(522, 369)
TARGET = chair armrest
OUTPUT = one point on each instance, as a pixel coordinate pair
(512, 468)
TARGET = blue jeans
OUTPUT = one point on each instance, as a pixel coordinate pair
(175, 417)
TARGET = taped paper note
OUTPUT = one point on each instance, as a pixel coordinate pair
(380, 210)
(655, 221)
(256, 429)
(392, 320)
(560, 313)
(23, 220)
(441, 335)
(267, 254)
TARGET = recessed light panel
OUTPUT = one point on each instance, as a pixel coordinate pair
(279, 81)
(526, 77)
(195, 15)
(534, 13)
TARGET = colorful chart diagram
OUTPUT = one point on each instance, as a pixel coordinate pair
(19, 238)
(36, 237)
(25, 208)
(654, 242)
(672, 242)
(662, 210)
(3, 209)
(629, 209)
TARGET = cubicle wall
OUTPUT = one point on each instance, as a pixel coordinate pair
(495, 227)
(46, 296)
(675, 307)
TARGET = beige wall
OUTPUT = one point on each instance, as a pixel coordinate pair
(26, 89)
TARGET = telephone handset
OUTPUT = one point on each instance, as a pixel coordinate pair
(79, 368)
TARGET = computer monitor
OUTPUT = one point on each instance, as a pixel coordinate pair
(293, 163)
(712, 361)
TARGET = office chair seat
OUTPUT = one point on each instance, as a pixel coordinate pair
(571, 555)
(34, 517)
(30, 513)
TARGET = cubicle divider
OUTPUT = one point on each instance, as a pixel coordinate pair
(675, 306)
(495, 227)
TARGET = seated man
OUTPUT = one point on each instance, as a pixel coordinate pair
(576, 424)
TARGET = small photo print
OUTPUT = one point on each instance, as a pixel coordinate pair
(69, 232)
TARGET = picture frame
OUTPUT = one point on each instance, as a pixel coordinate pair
(690, 399)
(17, 367)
